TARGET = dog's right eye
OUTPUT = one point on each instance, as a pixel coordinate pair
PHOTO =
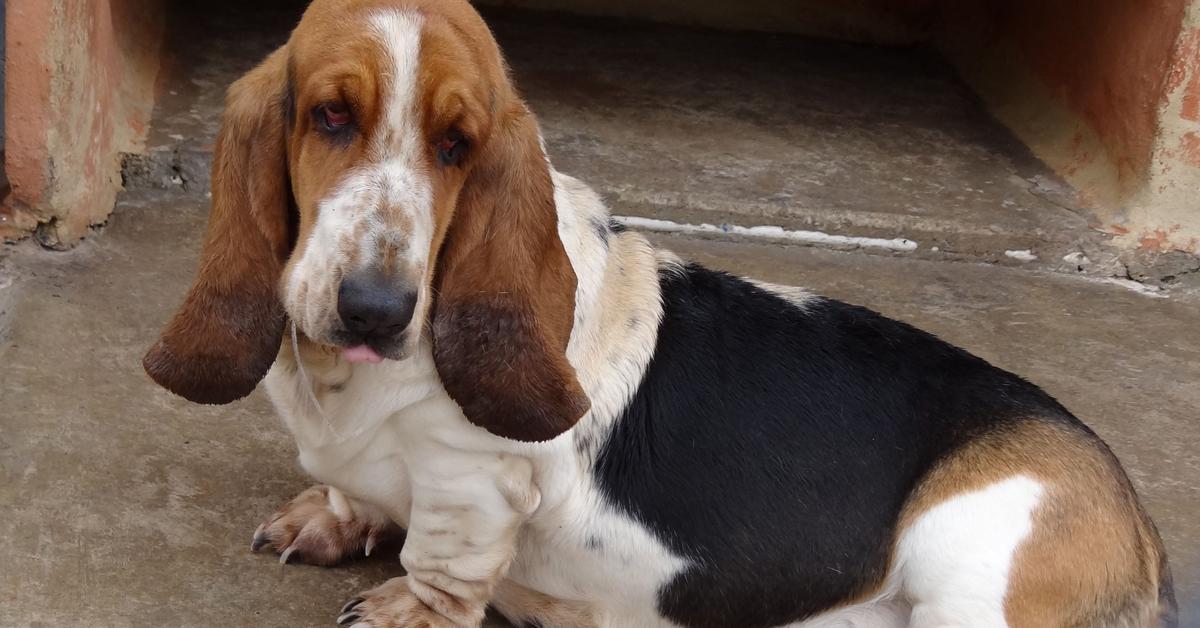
(333, 117)
(450, 149)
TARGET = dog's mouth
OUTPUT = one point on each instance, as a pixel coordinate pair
(371, 349)
(361, 354)
(360, 350)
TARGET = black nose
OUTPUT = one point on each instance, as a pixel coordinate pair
(374, 305)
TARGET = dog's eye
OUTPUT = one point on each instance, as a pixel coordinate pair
(450, 149)
(333, 117)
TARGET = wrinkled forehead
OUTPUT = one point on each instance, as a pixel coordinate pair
(357, 58)
(388, 59)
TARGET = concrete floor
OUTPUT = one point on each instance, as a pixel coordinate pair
(121, 505)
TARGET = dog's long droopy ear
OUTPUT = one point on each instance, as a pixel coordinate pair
(226, 334)
(506, 294)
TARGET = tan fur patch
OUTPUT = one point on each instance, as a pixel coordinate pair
(1093, 557)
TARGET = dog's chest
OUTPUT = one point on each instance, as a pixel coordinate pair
(356, 429)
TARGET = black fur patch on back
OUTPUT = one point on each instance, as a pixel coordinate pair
(774, 445)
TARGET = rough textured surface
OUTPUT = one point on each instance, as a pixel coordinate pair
(1166, 215)
(125, 506)
(1078, 80)
(79, 91)
(1103, 91)
(208, 50)
(702, 126)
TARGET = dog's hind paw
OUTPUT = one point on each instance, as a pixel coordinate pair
(394, 605)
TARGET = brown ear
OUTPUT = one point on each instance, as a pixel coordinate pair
(506, 295)
(226, 334)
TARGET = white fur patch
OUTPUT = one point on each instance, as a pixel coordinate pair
(577, 546)
(398, 142)
(952, 564)
(955, 559)
(385, 203)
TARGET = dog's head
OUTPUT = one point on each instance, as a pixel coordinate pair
(376, 177)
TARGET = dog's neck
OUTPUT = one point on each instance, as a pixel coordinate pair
(617, 311)
(617, 304)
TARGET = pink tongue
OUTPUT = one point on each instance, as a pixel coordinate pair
(361, 353)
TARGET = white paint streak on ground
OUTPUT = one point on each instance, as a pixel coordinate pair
(1021, 255)
(768, 232)
(1130, 284)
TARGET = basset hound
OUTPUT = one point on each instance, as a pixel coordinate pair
(577, 429)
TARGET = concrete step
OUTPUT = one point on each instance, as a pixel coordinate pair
(726, 129)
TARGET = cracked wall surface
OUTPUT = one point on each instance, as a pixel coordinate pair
(79, 91)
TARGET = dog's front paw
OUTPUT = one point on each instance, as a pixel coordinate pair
(322, 526)
(391, 605)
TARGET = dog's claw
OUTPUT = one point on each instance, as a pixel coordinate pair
(260, 538)
(324, 527)
(286, 555)
(346, 618)
(351, 605)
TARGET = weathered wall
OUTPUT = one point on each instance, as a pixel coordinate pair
(1, 79)
(79, 90)
(1084, 84)
(1104, 91)
(1166, 214)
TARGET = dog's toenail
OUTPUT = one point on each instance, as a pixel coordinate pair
(350, 605)
(260, 539)
(347, 618)
(286, 555)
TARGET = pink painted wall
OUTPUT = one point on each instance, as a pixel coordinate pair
(1103, 60)
(1088, 85)
(79, 90)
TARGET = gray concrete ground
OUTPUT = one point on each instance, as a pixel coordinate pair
(121, 505)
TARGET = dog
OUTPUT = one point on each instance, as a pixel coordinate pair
(579, 430)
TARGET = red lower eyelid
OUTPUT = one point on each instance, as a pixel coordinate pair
(336, 118)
